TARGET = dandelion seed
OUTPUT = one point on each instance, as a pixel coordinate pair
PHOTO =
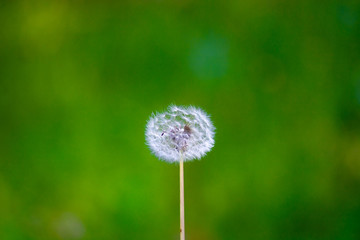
(185, 131)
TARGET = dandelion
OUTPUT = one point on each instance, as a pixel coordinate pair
(181, 131)
(177, 135)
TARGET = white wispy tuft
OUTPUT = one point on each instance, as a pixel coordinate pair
(180, 130)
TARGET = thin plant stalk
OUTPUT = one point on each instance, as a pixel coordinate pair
(182, 208)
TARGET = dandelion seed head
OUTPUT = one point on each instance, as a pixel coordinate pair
(186, 131)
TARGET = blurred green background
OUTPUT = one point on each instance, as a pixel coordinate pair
(79, 79)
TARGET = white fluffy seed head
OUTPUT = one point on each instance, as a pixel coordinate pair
(185, 131)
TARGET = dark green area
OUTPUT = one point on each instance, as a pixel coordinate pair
(280, 79)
